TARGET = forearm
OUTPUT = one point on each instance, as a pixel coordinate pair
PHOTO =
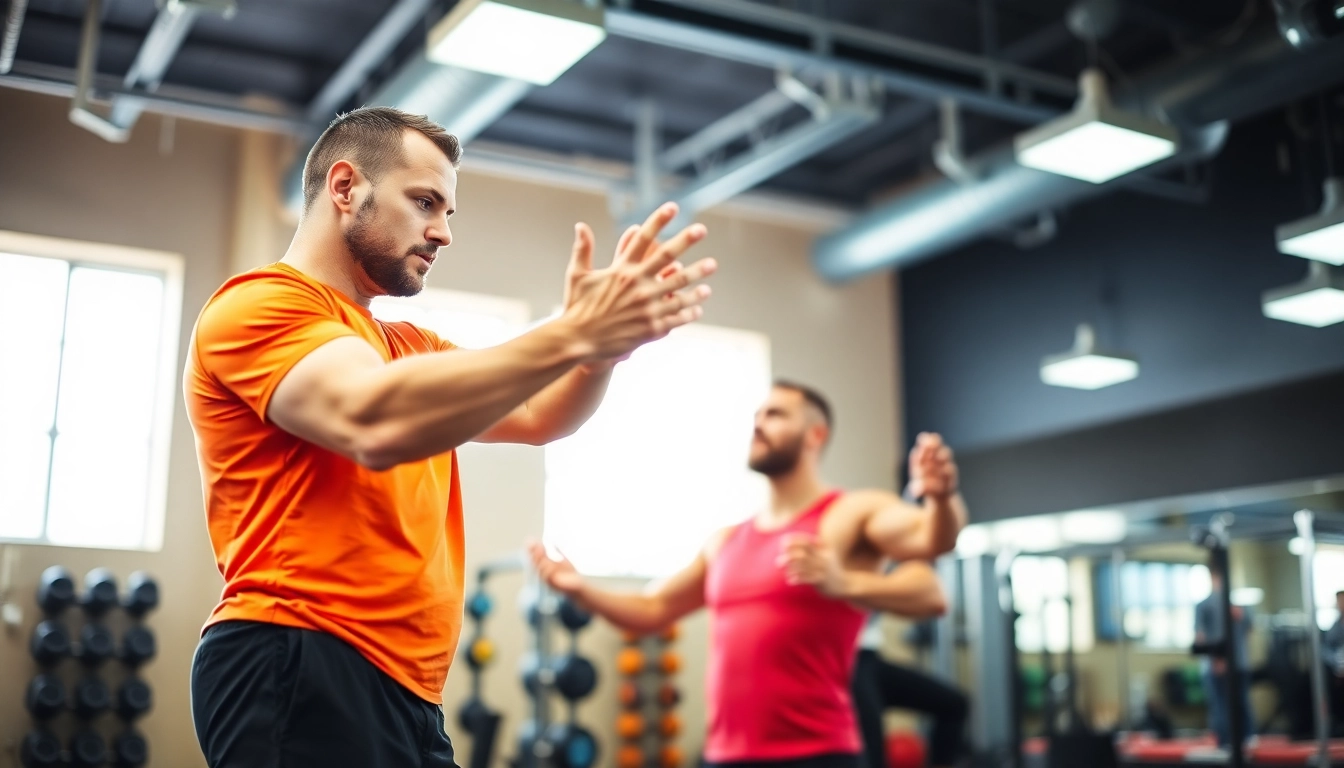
(630, 611)
(910, 590)
(424, 405)
(564, 406)
(946, 517)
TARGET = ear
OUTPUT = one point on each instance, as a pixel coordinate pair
(818, 434)
(342, 179)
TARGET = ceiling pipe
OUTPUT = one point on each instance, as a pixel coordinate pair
(1199, 95)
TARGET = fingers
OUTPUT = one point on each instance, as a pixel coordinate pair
(624, 242)
(674, 248)
(581, 256)
(646, 234)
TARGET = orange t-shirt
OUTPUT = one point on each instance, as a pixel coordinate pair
(304, 537)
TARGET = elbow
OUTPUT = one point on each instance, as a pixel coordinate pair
(937, 607)
(379, 447)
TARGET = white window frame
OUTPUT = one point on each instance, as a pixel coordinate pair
(172, 268)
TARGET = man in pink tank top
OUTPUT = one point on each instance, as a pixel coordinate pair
(789, 589)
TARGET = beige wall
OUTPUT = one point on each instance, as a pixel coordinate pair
(511, 239)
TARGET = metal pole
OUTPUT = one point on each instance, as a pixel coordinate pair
(1232, 681)
(1306, 530)
(1121, 640)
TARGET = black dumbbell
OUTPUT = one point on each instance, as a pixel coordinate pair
(92, 698)
(575, 676)
(130, 750)
(536, 676)
(55, 590)
(571, 745)
(87, 749)
(51, 642)
(479, 606)
(137, 646)
(96, 645)
(572, 616)
(46, 697)
(134, 699)
(41, 749)
(472, 714)
(142, 594)
(100, 592)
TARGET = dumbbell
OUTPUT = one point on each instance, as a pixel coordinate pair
(668, 695)
(142, 594)
(41, 749)
(630, 725)
(575, 676)
(669, 662)
(55, 590)
(137, 646)
(130, 750)
(670, 756)
(95, 645)
(45, 698)
(91, 698)
(629, 756)
(100, 592)
(134, 699)
(630, 695)
(670, 633)
(572, 745)
(87, 749)
(50, 643)
(480, 653)
(472, 714)
(669, 725)
(536, 676)
(479, 606)
(572, 616)
(630, 661)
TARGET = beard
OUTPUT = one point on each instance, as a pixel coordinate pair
(778, 460)
(376, 255)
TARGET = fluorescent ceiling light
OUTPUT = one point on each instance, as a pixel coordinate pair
(1093, 526)
(1086, 367)
(1317, 301)
(532, 40)
(1321, 235)
(1095, 142)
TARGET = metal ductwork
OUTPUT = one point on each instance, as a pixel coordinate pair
(1199, 95)
(464, 102)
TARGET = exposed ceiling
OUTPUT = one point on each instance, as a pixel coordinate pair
(288, 49)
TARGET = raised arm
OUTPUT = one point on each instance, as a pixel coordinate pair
(910, 589)
(902, 530)
(658, 606)
(344, 397)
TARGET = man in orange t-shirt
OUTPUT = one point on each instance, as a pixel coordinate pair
(326, 444)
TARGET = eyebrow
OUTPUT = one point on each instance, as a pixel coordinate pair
(437, 195)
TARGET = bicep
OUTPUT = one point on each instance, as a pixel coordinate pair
(898, 530)
(315, 399)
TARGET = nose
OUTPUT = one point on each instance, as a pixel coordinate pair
(440, 235)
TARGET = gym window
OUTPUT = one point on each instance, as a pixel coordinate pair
(88, 382)
(1157, 609)
(663, 463)
(1052, 597)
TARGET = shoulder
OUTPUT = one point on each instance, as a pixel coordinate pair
(422, 337)
(264, 287)
(717, 539)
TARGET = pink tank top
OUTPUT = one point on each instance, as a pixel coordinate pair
(781, 656)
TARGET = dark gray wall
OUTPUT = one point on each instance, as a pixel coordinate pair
(1184, 284)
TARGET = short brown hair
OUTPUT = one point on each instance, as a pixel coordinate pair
(813, 398)
(371, 138)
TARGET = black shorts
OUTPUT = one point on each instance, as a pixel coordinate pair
(815, 761)
(267, 696)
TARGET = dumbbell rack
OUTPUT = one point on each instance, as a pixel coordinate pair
(52, 645)
(648, 699)
(544, 742)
